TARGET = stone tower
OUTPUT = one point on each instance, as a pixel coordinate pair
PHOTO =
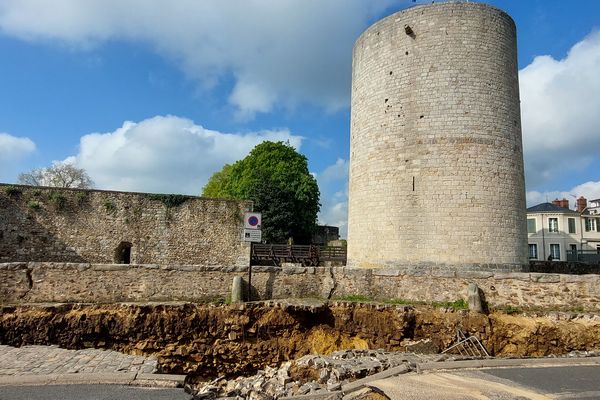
(436, 159)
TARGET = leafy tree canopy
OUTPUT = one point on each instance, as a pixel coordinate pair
(63, 175)
(275, 176)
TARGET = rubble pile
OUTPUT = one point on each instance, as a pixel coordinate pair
(311, 374)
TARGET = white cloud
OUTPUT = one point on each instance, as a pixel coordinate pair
(333, 184)
(281, 53)
(590, 190)
(337, 171)
(14, 148)
(559, 105)
(165, 154)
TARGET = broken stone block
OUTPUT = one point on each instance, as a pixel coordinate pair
(474, 298)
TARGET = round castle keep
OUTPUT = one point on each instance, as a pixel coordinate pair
(436, 159)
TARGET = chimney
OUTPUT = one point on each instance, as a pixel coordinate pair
(564, 203)
(556, 202)
(581, 204)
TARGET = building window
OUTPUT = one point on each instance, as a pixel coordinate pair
(554, 252)
(531, 225)
(533, 251)
(591, 224)
(572, 225)
(552, 224)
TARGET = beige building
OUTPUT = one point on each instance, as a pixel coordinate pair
(556, 232)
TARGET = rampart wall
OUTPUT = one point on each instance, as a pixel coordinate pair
(94, 226)
(105, 283)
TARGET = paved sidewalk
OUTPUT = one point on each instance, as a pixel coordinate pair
(53, 365)
(41, 360)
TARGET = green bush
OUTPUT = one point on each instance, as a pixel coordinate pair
(12, 191)
(170, 200)
(57, 199)
(110, 207)
(81, 197)
(34, 205)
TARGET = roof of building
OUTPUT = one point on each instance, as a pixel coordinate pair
(549, 207)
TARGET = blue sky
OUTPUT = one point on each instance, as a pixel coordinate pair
(157, 95)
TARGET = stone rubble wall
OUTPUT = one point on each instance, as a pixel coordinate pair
(74, 225)
(38, 282)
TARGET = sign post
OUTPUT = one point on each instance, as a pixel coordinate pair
(253, 234)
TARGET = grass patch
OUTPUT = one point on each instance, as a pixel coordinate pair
(459, 304)
(511, 310)
(355, 297)
(403, 302)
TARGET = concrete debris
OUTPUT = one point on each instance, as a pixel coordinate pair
(309, 375)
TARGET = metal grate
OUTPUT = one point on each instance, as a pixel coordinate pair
(467, 346)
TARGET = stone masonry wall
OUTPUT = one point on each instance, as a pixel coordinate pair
(70, 225)
(105, 283)
(436, 163)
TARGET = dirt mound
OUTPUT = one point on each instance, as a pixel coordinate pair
(209, 341)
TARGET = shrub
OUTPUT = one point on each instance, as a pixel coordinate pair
(170, 200)
(12, 191)
(57, 199)
(110, 207)
(34, 205)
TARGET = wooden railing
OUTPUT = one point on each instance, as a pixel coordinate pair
(307, 255)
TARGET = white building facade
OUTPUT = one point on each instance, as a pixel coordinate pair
(556, 232)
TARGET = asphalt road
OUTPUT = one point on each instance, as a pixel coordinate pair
(538, 383)
(581, 382)
(90, 392)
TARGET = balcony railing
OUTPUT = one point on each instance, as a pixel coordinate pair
(587, 256)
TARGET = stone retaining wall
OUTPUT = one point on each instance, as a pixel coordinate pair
(37, 282)
(96, 226)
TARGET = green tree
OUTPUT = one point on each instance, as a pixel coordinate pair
(276, 178)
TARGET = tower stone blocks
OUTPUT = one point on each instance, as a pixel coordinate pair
(436, 160)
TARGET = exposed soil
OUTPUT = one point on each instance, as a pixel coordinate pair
(209, 340)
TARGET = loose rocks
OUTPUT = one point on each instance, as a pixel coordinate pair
(311, 374)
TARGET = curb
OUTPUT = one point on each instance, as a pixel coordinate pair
(117, 378)
(467, 364)
(360, 383)
(504, 362)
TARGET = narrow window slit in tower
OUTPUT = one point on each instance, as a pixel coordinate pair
(413, 183)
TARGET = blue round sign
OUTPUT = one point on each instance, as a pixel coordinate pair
(253, 221)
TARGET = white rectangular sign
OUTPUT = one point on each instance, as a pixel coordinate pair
(252, 235)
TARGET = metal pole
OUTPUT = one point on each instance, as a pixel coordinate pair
(249, 297)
